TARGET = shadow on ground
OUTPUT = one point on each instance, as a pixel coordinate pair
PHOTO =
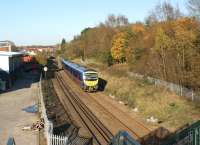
(23, 78)
(25, 81)
(102, 84)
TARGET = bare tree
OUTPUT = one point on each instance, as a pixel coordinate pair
(111, 21)
(122, 20)
(194, 8)
(164, 12)
(115, 21)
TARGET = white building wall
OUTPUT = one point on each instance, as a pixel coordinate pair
(4, 63)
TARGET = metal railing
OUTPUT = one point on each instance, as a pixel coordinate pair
(178, 89)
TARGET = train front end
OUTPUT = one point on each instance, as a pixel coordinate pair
(90, 79)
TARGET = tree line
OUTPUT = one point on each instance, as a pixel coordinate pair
(165, 46)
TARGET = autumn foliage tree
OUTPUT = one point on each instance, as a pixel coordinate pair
(120, 49)
(175, 49)
(166, 46)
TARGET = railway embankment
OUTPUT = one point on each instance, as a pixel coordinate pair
(99, 116)
(88, 116)
(143, 99)
(113, 121)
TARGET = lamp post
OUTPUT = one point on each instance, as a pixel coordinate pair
(45, 71)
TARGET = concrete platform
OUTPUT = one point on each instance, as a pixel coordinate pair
(12, 117)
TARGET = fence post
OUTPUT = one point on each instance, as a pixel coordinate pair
(177, 88)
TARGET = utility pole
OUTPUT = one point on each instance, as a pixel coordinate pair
(84, 47)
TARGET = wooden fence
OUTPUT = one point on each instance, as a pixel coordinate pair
(57, 140)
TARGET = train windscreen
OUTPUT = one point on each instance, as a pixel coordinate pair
(91, 76)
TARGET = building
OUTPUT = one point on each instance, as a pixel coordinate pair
(10, 63)
(33, 50)
(7, 46)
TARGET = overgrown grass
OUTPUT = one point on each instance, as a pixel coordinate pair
(172, 110)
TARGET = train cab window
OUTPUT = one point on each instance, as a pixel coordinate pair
(91, 76)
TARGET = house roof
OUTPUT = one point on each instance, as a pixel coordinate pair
(6, 43)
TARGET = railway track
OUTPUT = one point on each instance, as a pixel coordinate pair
(134, 128)
(139, 127)
(101, 135)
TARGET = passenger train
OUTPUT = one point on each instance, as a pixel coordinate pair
(86, 78)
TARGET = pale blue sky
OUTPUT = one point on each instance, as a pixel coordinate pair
(48, 21)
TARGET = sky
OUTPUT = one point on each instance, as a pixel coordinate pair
(46, 22)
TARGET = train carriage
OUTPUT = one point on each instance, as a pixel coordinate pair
(86, 78)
